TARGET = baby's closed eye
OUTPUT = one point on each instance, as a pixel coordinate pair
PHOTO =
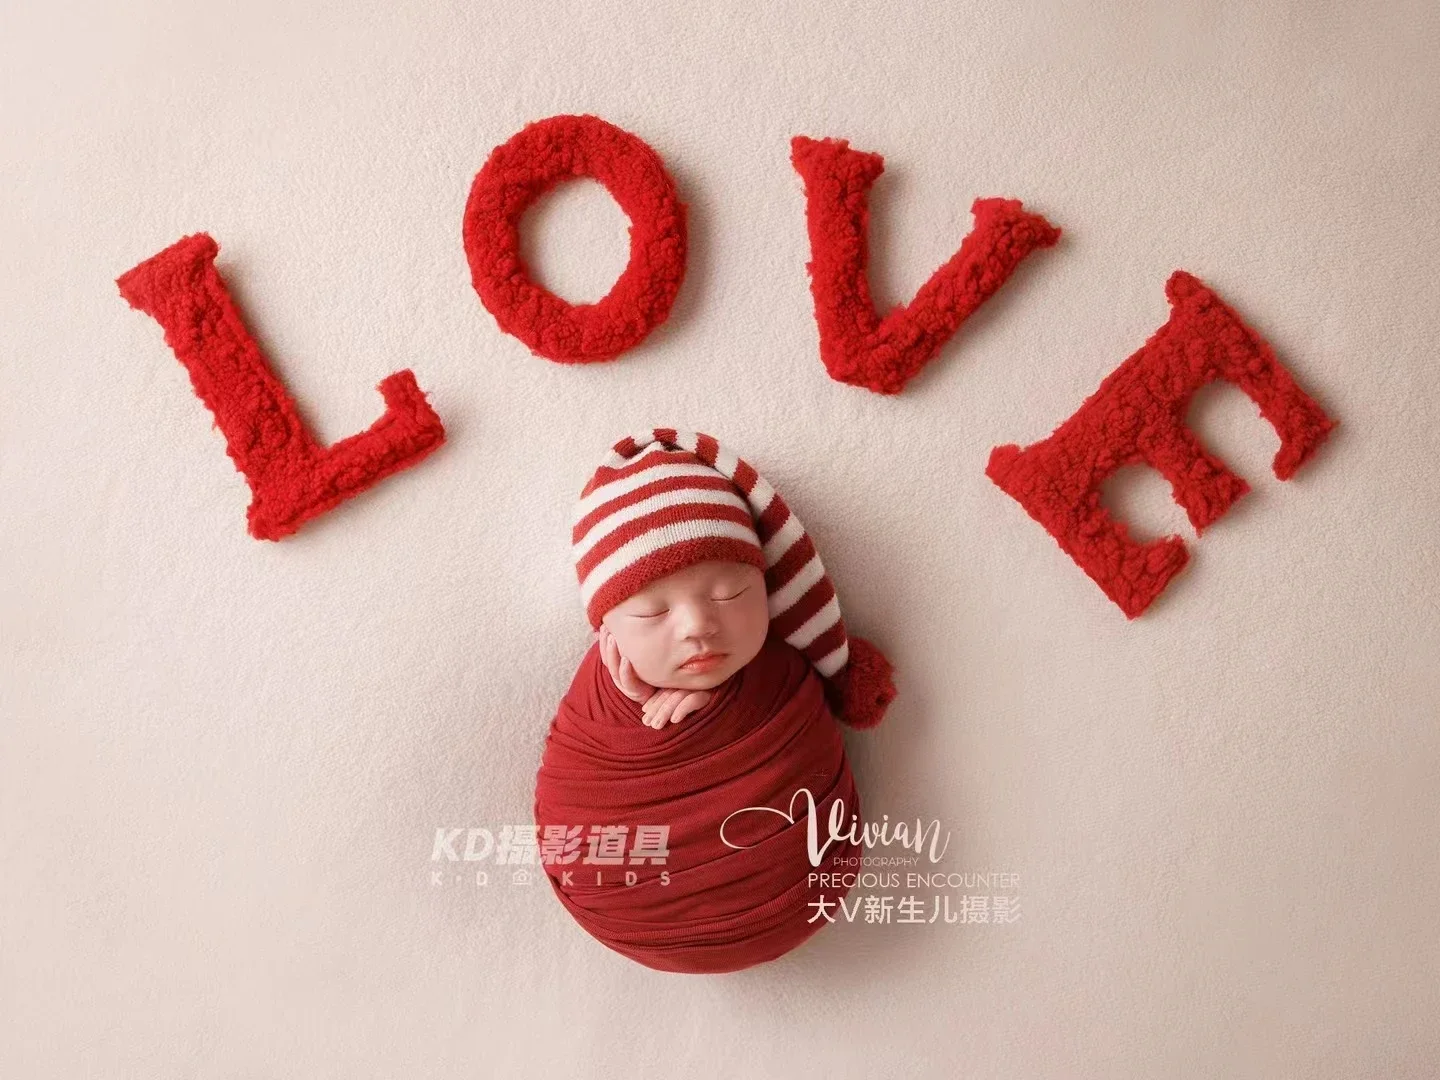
(662, 611)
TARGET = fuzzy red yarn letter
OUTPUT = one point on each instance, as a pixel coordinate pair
(518, 172)
(857, 346)
(1138, 415)
(292, 478)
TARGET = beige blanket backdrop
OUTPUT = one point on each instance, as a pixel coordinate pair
(223, 762)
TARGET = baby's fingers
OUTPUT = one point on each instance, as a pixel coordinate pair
(610, 653)
(622, 672)
(657, 710)
(693, 702)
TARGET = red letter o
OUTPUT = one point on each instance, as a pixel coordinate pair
(517, 173)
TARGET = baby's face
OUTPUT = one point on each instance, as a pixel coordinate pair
(711, 607)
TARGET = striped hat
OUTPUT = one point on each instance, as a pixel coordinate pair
(664, 499)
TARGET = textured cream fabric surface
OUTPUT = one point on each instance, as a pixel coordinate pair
(223, 761)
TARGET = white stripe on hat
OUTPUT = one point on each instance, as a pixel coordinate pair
(653, 541)
(626, 484)
(727, 463)
(789, 594)
(659, 501)
(834, 660)
(816, 625)
(784, 538)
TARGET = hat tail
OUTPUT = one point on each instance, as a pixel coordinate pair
(860, 692)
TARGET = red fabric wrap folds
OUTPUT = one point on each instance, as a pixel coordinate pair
(766, 733)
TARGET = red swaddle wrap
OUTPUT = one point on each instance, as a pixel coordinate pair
(752, 760)
(766, 734)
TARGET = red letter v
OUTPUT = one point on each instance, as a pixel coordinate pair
(857, 346)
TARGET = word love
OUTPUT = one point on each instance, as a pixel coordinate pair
(1137, 415)
(293, 479)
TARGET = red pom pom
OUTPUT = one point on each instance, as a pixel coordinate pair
(860, 691)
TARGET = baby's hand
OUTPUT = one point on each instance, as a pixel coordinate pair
(660, 706)
(630, 684)
(670, 706)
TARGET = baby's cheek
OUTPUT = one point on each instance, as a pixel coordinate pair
(650, 658)
(755, 626)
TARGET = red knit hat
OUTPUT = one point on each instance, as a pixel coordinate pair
(664, 499)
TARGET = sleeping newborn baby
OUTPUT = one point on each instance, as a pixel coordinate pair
(720, 667)
(675, 640)
(687, 560)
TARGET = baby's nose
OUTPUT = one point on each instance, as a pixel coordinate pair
(700, 620)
